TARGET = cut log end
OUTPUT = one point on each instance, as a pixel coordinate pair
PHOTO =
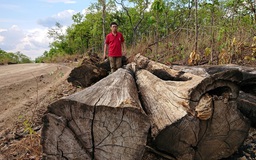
(98, 124)
(189, 116)
(95, 132)
(189, 138)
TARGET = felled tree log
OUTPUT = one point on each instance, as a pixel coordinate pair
(192, 117)
(248, 73)
(103, 121)
(247, 85)
(247, 105)
(90, 71)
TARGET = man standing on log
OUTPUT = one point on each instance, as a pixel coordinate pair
(115, 43)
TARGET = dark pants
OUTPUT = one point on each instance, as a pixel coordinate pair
(115, 63)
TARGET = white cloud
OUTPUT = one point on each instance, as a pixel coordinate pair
(12, 36)
(33, 42)
(61, 1)
(15, 28)
(1, 30)
(1, 39)
(64, 18)
(65, 14)
(29, 42)
(34, 39)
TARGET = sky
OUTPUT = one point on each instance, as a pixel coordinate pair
(24, 23)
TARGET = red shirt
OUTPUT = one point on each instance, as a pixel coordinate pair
(114, 44)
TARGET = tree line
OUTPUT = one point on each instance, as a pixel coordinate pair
(13, 58)
(214, 31)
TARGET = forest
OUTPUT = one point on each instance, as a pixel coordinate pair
(178, 31)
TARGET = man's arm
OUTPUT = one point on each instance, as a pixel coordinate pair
(124, 49)
(105, 50)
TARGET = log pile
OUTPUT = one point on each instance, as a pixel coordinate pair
(176, 112)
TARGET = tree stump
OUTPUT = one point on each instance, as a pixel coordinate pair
(103, 121)
(90, 71)
(192, 117)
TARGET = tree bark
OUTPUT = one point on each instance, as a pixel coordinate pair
(91, 71)
(189, 113)
(104, 5)
(104, 121)
(193, 113)
(196, 26)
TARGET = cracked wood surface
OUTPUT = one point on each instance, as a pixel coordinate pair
(247, 105)
(193, 114)
(246, 82)
(221, 135)
(171, 104)
(104, 121)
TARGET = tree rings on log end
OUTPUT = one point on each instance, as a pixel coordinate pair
(214, 132)
(104, 121)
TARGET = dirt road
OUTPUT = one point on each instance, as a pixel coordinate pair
(25, 89)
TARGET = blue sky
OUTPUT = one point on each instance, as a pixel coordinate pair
(24, 23)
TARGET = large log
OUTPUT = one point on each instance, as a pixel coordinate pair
(247, 85)
(90, 71)
(103, 121)
(192, 117)
(247, 105)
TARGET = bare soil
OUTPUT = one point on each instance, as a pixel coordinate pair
(25, 92)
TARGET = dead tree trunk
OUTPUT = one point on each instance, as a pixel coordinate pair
(247, 105)
(247, 85)
(104, 121)
(192, 117)
(91, 71)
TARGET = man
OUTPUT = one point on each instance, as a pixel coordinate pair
(115, 43)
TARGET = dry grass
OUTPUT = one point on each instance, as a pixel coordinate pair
(28, 148)
(176, 49)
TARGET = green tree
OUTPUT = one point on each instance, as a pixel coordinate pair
(22, 58)
(133, 18)
(13, 58)
(104, 5)
(158, 7)
(177, 25)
